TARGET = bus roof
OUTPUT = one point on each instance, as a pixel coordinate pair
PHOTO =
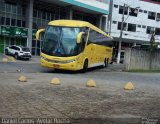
(76, 23)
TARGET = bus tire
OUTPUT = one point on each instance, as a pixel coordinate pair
(85, 66)
(106, 63)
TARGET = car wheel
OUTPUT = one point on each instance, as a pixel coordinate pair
(16, 56)
(85, 66)
(28, 59)
(6, 52)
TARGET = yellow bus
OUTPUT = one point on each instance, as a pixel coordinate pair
(74, 45)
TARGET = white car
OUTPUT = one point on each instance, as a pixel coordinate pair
(18, 52)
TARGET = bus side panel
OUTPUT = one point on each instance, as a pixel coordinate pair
(102, 53)
(89, 54)
(109, 52)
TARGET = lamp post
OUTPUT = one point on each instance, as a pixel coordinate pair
(120, 38)
(121, 32)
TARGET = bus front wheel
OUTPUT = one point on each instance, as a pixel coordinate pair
(85, 66)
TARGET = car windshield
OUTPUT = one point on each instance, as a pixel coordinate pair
(60, 41)
(25, 49)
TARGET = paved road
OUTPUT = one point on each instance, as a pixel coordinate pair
(34, 66)
(39, 98)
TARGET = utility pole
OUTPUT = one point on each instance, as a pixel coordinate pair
(120, 38)
(152, 42)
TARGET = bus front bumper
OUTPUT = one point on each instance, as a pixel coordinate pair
(67, 66)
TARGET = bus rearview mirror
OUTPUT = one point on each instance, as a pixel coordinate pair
(79, 37)
(38, 33)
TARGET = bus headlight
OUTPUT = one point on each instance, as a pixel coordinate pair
(69, 61)
(43, 58)
(60, 62)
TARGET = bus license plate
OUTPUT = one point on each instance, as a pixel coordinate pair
(55, 66)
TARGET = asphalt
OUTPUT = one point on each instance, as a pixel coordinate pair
(71, 99)
(34, 59)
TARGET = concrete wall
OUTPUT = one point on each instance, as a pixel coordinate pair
(140, 60)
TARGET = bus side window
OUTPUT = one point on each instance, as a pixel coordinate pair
(85, 30)
(82, 44)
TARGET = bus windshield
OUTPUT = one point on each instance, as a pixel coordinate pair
(60, 41)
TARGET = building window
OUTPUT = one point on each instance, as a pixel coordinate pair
(151, 15)
(8, 8)
(133, 12)
(13, 9)
(2, 6)
(115, 6)
(143, 26)
(7, 21)
(52, 16)
(158, 17)
(132, 27)
(140, 10)
(139, 26)
(124, 26)
(13, 22)
(114, 22)
(43, 15)
(19, 10)
(2, 21)
(149, 30)
(23, 24)
(48, 16)
(34, 13)
(39, 14)
(19, 23)
(121, 10)
(23, 11)
(157, 31)
(34, 25)
(145, 11)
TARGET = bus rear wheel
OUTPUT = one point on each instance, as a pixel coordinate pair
(106, 63)
(85, 66)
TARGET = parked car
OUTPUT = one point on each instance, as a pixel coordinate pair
(18, 52)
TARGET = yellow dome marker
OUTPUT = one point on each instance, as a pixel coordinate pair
(22, 79)
(55, 81)
(91, 83)
(12, 59)
(4, 60)
(129, 86)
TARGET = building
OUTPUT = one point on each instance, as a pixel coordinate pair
(20, 19)
(141, 17)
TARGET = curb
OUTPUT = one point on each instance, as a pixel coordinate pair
(10, 58)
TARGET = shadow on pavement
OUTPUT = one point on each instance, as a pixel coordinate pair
(99, 68)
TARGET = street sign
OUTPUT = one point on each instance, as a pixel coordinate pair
(14, 31)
